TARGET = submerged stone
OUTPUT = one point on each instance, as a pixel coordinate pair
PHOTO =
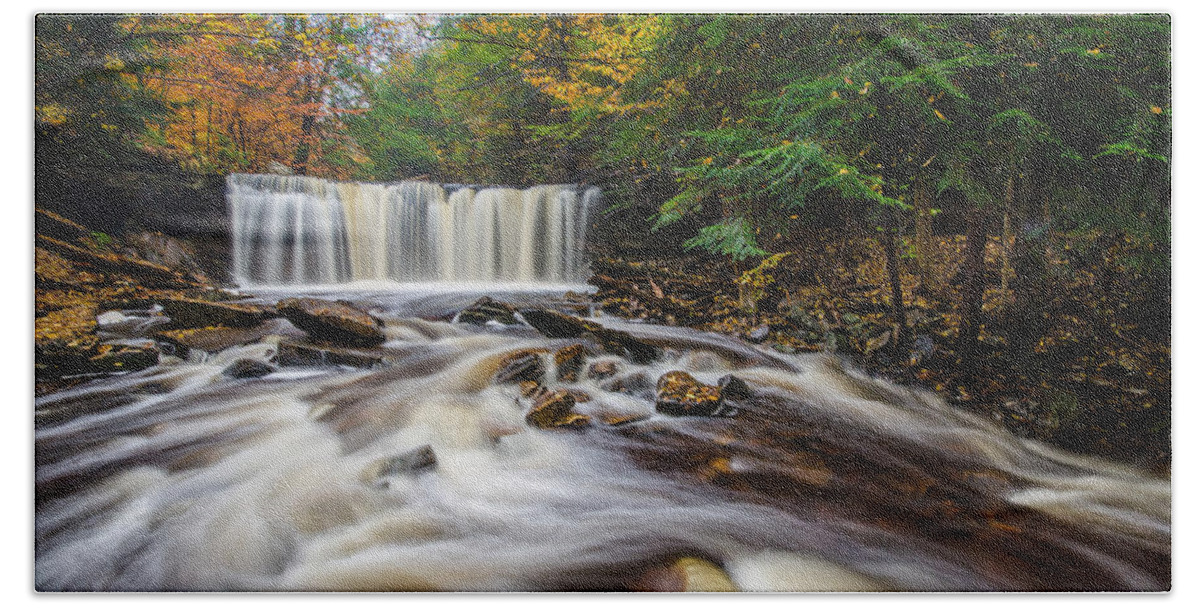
(409, 463)
(637, 384)
(759, 334)
(216, 339)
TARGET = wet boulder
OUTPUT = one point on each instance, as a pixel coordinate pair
(216, 339)
(486, 309)
(554, 324)
(191, 312)
(600, 370)
(520, 366)
(686, 574)
(248, 368)
(568, 361)
(297, 354)
(734, 388)
(680, 394)
(332, 322)
(124, 356)
(555, 409)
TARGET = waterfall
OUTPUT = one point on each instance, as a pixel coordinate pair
(292, 230)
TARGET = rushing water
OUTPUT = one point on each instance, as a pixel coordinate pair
(291, 230)
(180, 478)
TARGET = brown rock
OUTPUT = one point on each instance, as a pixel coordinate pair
(188, 312)
(217, 339)
(486, 309)
(295, 354)
(617, 419)
(333, 322)
(551, 409)
(124, 357)
(553, 324)
(573, 421)
(568, 360)
(579, 396)
(679, 394)
(687, 574)
(531, 389)
(602, 369)
(734, 388)
(522, 365)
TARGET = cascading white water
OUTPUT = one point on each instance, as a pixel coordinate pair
(291, 230)
(182, 478)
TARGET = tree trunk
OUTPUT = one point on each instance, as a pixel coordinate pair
(304, 150)
(1006, 234)
(923, 224)
(891, 253)
(971, 308)
(1029, 284)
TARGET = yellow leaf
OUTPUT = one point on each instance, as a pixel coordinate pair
(707, 161)
(1155, 110)
(834, 95)
(939, 114)
(1095, 51)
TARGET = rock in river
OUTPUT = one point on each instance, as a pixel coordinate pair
(522, 365)
(216, 339)
(734, 388)
(568, 360)
(554, 409)
(408, 463)
(332, 321)
(486, 309)
(188, 312)
(680, 394)
(554, 324)
(600, 370)
(296, 354)
(124, 356)
(248, 368)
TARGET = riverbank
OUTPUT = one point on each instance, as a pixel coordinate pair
(1099, 381)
